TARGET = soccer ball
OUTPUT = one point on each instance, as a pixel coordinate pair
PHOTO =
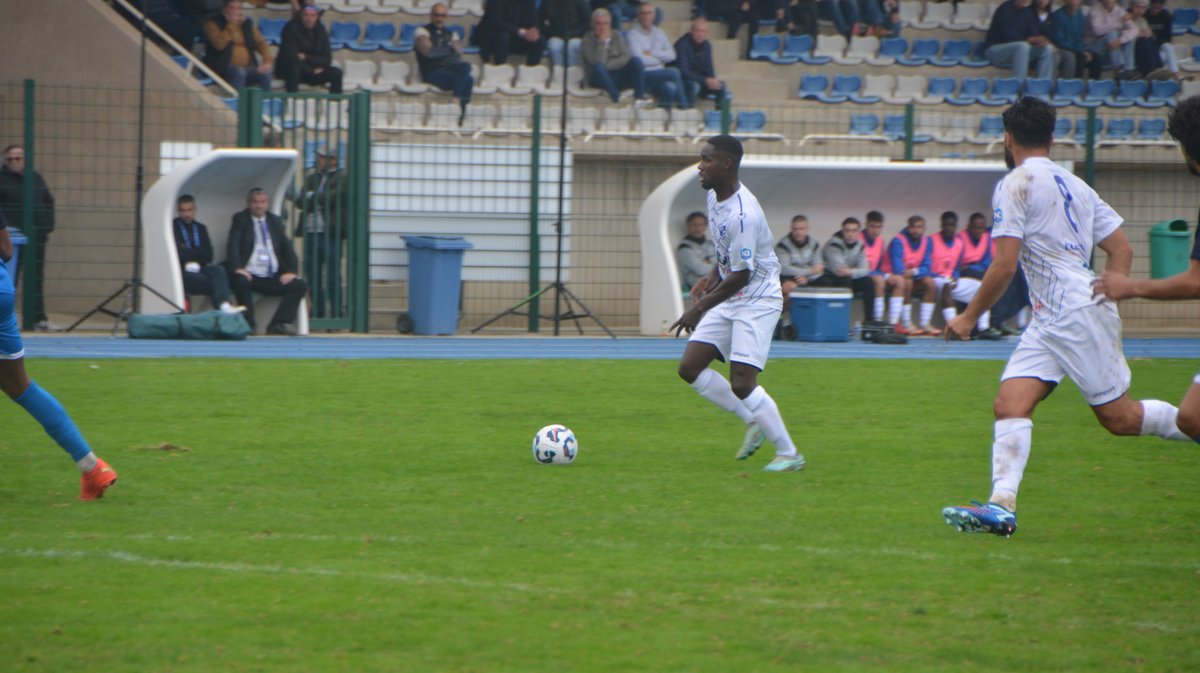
(555, 445)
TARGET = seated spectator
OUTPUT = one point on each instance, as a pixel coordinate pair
(751, 12)
(802, 16)
(733, 13)
(1113, 36)
(650, 45)
(1160, 22)
(439, 58)
(881, 277)
(192, 244)
(235, 50)
(1014, 39)
(800, 263)
(910, 258)
(509, 26)
(855, 17)
(305, 56)
(608, 63)
(261, 259)
(974, 262)
(846, 264)
(563, 23)
(1066, 33)
(694, 59)
(695, 254)
(1147, 55)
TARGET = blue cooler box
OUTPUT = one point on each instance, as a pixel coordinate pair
(821, 314)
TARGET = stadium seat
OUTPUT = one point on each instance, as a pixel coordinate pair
(928, 22)
(615, 120)
(953, 53)
(376, 36)
(381, 115)
(970, 15)
(272, 29)
(1081, 128)
(351, 6)
(582, 120)
(186, 64)
(1184, 21)
(890, 48)
(860, 49)
(1040, 88)
(231, 103)
(1191, 62)
(932, 124)
(972, 91)
(513, 119)
(442, 117)
(910, 12)
(794, 48)
(650, 122)
(844, 88)
(712, 121)
(406, 40)
(893, 127)
(813, 87)
(940, 14)
(479, 119)
(957, 129)
(939, 89)
(1119, 129)
(273, 109)
(752, 124)
(1099, 92)
(358, 75)
(832, 47)
(529, 79)
(763, 47)
(863, 124)
(408, 116)
(1005, 91)
(391, 76)
(468, 7)
(1129, 92)
(686, 123)
(908, 89)
(1161, 93)
(494, 77)
(1151, 128)
(1068, 92)
(554, 84)
(342, 34)
(975, 57)
(875, 88)
(384, 7)
(991, 129)
(922, 51)
(1062, 130)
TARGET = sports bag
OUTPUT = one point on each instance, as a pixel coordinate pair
(206, 325)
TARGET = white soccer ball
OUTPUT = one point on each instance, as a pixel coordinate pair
(555, 445)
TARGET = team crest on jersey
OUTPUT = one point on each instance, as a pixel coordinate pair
(745, 253)
(721, 231)
(998, 215)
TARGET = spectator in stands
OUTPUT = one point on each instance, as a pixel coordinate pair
(800, 262)
(509, 26)
(324, 206)
(12, 203)
(802, 17)
(563, 23)
(195, 251)
(1147, 52)
(854, 17)
(909, 254)
(608, 63)
(261, 259)
(1066, 32)
(619, 11)
(439, 58)
(694, 59)
(846, 264)
(235, 50)
(695, 254)
(305, 56)
(732, 12)
(1014, 39)
(1113, 36)
(1160, 22)
(650, 45)
(1042, 9)
(881, 278)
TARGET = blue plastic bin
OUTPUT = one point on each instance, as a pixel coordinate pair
(18, 240)
(434, 282)
(821, 314)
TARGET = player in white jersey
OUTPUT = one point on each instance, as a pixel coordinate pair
(736, 308)
(1050, 220)
(1184, 126)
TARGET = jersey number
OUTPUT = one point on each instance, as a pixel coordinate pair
(1067, 199)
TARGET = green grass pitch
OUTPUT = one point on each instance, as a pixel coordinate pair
(388, 516)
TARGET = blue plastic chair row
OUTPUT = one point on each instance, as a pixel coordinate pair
(785, 51)
(746, 121)
(383, 36)
(933, 52)
(1184, 20)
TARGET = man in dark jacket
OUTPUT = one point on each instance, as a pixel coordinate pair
(195, 251)
(12, 199)
(262, 259)
(304, 54)
(694, 59)
(509, 26)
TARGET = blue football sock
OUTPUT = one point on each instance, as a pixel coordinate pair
(54, 419)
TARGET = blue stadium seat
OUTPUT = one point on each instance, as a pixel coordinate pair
(199, 74)
(751, 121)
(712, 121)
(973, 90)
(942, 87)
(468, 45)
(342, 34)
(1184, 21)
(976, 59)
(1161, 93)
(1068, 92)
(1151, 128)
(1039, 88)
(1005, 91)
(844, 87)
(953, 53)
(1062, 129)
(376, 36)
(763, 47)
(273, 109)
(991, 129)
(893, 47)
(794, 47)
(893, 127)
(803, 50)
(813, 87)
(1081, 126)
(231, 103)
(1130, 92)
(272, 29)
(864, 124)
(1120, 129)
(922, 51)
(405, 42)
(1099, 92)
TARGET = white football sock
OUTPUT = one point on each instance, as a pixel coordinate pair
(908, 312)
(1158, 418)
(878, 308)
(766, 412)
(87, 463)
(1010, 453)
(895, 304)
(949, 314)
(714, 388)
(985, 321)
(926, 313)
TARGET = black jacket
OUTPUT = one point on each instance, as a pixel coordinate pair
(12, 195)
(192, 243)
(241, 243)
(296, 40)
(506, 16)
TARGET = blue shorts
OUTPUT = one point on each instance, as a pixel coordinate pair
(11, 347)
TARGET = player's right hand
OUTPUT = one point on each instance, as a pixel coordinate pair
(959, 328)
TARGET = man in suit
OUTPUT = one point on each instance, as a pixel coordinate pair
(262, 260)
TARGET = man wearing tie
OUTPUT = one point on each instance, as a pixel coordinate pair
(263, 260)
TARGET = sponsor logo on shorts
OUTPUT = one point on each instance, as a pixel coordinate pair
(745, 253)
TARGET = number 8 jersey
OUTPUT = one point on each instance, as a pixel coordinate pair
(1059, 219)
(744, 241)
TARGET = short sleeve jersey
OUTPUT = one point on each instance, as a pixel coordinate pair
(743, 240)
(1059, 219)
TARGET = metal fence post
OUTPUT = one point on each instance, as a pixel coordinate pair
(360, 179)
(908, 132)
(1089, 162)
(28, 223)
(535, 241)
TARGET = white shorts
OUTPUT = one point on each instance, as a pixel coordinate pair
(1084, 344)
(741, 332)
(963, 291)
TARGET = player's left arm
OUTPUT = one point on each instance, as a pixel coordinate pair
(732, 284)
(995, 281)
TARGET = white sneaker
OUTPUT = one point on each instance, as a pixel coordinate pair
(754, 439)
(786, 464)
(226, 307)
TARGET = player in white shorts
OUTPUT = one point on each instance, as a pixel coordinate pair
(1050, 220)
(1184, 126)
(736, 307)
